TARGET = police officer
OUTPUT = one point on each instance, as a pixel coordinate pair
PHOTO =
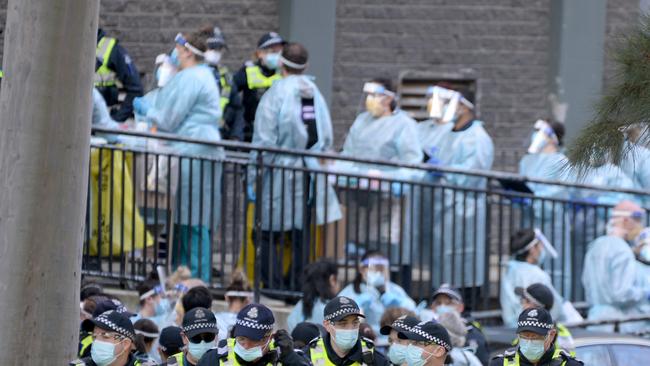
(341, 345)
(254, 343)
(536, 333)
(170, 343)
(232, 122)
(447, 298)
(429, 344)
(113, 337)
(102, 305)
(199, 332)
(255, 77)
(397, 346)
(539, 295)
(114, 71)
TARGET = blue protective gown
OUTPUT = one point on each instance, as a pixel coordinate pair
(225, 321)
(296, 316)
(551, 217)
(187, 106)
(373, 303)
(278, 123)
(101, 116)
(523, 274)
(431, 134)
(461, 239)
(637, 166)
(612, 283)
(392, 138)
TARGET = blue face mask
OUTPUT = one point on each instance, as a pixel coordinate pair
(397, 353)
(345, 339)
(250, 354)
(272, 61)
(197, 350)
(414, 356)
(532, 349)
(173, 58)
(163, 307)
(442, 309)
(103, 353)
(376, 279)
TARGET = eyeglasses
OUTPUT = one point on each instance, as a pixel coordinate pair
(207, 337)
(108, 336)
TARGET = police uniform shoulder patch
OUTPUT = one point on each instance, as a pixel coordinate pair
(77, 362)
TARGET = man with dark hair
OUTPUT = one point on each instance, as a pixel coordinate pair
(197, 297)
(292, 114)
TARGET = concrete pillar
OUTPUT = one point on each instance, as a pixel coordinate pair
(577, 57)
(312, 23)
(45, 109)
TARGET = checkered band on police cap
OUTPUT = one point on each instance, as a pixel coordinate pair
(427, 331)
(340, 307)
(536, 320)
(115, 322)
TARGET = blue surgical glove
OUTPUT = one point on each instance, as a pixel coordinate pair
(250, 193)
(141, 106)
(390, 299)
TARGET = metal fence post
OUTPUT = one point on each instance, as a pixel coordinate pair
(257, 231)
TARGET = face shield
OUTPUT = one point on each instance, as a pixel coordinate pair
(378, 271)
(181, 41)
(542, 136)
(539, 238)
(443, 104)
(375, 94)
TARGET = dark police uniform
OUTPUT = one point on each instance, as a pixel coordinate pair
(132, 361)
(363, 353)
(231, 126)
(255, 322)
(552, 357)
(538, 321)
(114, 71)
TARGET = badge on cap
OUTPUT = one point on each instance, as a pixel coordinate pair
(252, 313)
(344, 300)
(532, 313)
(199, 314)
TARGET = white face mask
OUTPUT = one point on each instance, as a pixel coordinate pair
(212, 57)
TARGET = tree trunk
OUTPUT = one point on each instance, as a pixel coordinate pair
(45, 109)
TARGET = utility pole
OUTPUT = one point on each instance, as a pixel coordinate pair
(45, 109)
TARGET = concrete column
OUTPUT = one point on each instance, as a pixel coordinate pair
(577, 57)
(312, 23)
(45, 109)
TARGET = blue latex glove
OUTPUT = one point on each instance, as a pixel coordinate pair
(140, 106)
(390, 299)
(250, 193)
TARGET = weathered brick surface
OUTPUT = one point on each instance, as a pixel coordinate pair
(504, 41)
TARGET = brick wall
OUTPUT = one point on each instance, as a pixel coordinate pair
(505, 42)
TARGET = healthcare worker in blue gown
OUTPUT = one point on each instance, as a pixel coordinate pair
(460, 227)
(545, 160)
(528, 249)
(186, 105)
(383, 132)
(612, 276)
(292, 114)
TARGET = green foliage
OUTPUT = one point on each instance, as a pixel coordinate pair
(624, 106)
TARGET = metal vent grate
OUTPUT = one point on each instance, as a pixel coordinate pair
(413, 89)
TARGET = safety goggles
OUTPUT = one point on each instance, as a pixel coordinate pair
(181, 41)
(377, 89)
(375, 261)
(443, 103)
(207, 337)
(539, 238)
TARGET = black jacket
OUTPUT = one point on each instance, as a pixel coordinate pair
(120, 62)
(475, 339)
(233, 114)
(546, 360)
(250, 98)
